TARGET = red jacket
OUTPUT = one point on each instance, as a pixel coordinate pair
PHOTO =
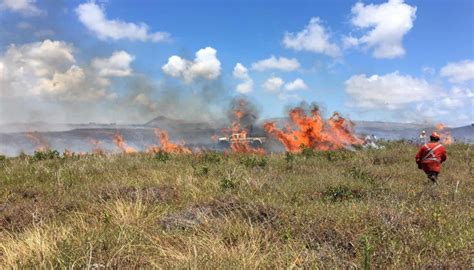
(430, 156)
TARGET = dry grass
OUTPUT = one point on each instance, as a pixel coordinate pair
(365, 209)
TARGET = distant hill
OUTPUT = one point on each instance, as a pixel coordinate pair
(464, 133)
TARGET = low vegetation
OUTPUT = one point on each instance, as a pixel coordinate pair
(366, 209)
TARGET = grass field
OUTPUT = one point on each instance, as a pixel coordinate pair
(327, 210)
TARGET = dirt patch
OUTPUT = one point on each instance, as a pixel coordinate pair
(19, 214)
(152, 194)
(199, 214)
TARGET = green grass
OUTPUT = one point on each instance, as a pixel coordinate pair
(365, 209)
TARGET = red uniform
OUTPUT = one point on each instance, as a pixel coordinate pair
(430, 156)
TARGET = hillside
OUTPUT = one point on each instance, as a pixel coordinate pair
(327, 210)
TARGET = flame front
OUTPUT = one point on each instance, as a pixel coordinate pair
(96, 147)
(122, 145)
(445, 135)
(41, 144)
(237, 135)
(167, 145)
(311, 131)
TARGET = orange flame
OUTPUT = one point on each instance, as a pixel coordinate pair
(96, 147)
(70, 154)
(41, 144)
(238, 135)
(313, 132)
(120, 143)
(167, 145)
(445, 135)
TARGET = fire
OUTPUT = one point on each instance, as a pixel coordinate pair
(446, 137)
(96, 147)
(237, 135)
(167, 145)
(120, 143)
(41, 144)
(70, 154)
(312, 131)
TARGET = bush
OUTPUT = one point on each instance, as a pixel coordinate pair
(368, 250)
(341, 193)
(43, 155)
(228, 183)
(201, 170)
(290, 159)
(254, 161)
(212, 157)
(337, 155)
(308, 152)
(162, 156)
(360, 174)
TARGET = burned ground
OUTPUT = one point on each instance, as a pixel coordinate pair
(337, 209)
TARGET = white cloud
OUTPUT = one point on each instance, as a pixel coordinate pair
(95, 19)
(273, 84)
(26, 7)
(245, 87)
(280, 63)
(117, 65)
(25, 65)
(205, 65)
(452, 103)
(453, 107)
(429, 71)
(390, 91)
(49, 69)
(297, 84)
(459, 72)
(241, 72)
(175, 66)
(313, 38)
(61, 82)
(410, 99)
(388, 23)
(349, 41)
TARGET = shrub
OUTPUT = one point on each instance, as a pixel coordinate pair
(341, 193)
(359, 174)
(201, 170)
(308, 152)
(43, 155)
(212, 157)
(368, 250)
(254, 161)
(290, 159)
(162, 156)
(228, 183)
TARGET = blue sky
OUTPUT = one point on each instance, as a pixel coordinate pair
(426, 72)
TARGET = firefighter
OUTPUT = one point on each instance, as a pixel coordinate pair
(430, 156)
(422, 137)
